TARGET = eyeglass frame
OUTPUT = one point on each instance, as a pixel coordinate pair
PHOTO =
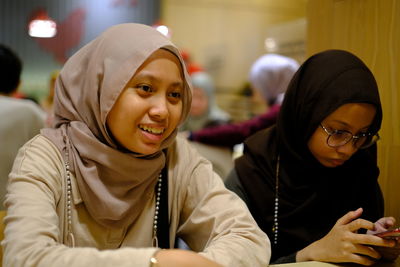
(353, 137)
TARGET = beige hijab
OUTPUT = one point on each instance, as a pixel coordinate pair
(114, 184)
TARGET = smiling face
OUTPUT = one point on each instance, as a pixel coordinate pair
(150, 107)
(355, 118)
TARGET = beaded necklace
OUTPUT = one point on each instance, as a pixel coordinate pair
(275, 226)
(70, 235)
(158, 197)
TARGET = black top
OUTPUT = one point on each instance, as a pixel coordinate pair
(163, 219)
(312, 197)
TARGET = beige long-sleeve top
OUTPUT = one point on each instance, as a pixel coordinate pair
(20, 120)
(211, 219)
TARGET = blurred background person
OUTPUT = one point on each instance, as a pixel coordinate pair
(204, 110)
(269, 77)
(21, 119)
(204, 113)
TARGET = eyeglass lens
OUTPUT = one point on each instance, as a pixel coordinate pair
(342, 138)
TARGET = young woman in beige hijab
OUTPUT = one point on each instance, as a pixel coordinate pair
(111, 184)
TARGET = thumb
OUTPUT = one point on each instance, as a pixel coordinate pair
(384, 223)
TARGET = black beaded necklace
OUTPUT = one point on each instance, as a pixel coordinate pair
(161, 222)
(275, 226)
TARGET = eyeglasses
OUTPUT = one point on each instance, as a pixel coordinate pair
(338, 138)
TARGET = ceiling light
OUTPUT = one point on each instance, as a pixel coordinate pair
(41, 25)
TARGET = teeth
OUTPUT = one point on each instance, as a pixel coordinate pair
(152, 130)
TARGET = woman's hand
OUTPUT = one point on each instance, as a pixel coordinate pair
(344, 244)
(381, 225)
(183, 258)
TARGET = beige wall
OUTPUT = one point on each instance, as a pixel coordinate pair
(226, 36)
(371, 30)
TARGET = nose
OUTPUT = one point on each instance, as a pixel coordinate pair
(348, 149)
(159, 108)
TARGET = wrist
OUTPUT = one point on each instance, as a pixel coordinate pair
(154, 260)
(303, 255)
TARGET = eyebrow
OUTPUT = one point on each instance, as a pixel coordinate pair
(348, 125)
(153, 78)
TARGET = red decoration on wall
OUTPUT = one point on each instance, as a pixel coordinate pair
(69, 35)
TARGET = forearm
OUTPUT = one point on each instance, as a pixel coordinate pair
(233, 237)
(182, 258)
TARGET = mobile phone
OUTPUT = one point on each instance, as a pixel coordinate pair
(390, 234)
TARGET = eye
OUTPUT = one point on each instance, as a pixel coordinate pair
(175, 96)
(145, 88)
(339, 133)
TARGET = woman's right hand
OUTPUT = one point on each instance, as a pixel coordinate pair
(344, 244)
(183, 258)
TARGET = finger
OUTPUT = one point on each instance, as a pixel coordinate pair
(360, 259)
(379, 228)
(385, 223)
(367, 251)
(360, 224)
(388, 253)
(382, 225)
(350, 216)
(389, 222)
(371, 240)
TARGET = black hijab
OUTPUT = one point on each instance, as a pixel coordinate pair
(312, 197)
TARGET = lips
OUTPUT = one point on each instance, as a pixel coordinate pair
(337, 162)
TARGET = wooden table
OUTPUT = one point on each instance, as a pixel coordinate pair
(323, 264)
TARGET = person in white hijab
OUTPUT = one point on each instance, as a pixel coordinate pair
(111, 184)
(270, 75)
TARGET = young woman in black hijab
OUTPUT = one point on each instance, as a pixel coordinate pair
(310, 181)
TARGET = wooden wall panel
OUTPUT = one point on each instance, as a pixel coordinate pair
(371, 30)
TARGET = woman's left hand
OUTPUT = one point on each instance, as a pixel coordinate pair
(381, 225)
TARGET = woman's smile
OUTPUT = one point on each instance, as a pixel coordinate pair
(152, 134)
(152, 129)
